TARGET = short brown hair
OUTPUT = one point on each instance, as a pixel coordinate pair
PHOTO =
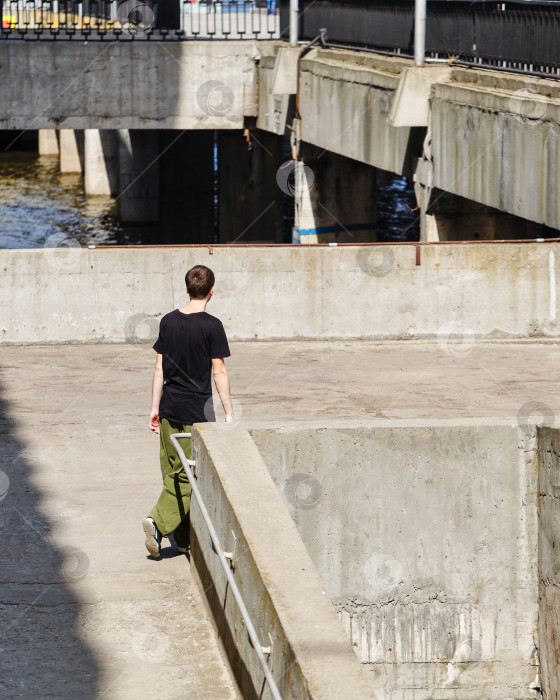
(199, 280)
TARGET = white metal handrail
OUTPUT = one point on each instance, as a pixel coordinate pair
(260, 651)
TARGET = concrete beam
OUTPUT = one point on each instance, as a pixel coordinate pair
(129, 85)
(500, 144)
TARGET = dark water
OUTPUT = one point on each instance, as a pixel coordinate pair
(39, 206)
(397, 216)
(37, 203)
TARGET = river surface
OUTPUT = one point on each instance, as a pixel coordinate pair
(39, 206)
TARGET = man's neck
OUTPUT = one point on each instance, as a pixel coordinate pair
(194, 306)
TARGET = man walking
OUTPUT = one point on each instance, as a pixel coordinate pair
(191, 345)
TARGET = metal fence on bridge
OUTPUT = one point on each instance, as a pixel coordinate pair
(523, 35)
(127, 20)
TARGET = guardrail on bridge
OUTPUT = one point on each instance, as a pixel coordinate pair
(126, 20)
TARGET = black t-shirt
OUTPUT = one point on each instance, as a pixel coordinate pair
(188, 343)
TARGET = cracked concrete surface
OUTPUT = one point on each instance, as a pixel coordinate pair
(84, 612)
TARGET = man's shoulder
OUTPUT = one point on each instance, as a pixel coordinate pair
(168, 316)
(212, 320)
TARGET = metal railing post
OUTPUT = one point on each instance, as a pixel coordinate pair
(294, 17)
(419, 32)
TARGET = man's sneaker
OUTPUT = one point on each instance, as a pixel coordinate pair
(153, 537)
(181, 550)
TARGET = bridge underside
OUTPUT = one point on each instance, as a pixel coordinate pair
(479, 145)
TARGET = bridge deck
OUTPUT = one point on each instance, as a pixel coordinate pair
(83, 611)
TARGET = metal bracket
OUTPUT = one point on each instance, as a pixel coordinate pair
(232, 556)
(270, 652)
(194, 462)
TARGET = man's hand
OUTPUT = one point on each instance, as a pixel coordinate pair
(157, 387)
(154, 422)
(230, 418)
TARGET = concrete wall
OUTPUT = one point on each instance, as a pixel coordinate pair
(64, 293)
(128, 85)
(426, 538)
(549, 559)
(311, 656)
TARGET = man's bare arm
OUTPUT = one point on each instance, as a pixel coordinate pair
(221, 380)
(157, 388)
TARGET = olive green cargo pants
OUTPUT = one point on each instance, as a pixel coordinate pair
(171, 512)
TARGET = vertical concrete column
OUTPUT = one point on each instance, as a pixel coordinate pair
(71, 143)
(334, 198)
(250, 198)
(186, 179)
(101, 162)
(138, 198)
(48, 142)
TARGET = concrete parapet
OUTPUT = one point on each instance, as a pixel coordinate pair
(311, 656)
(450, 292)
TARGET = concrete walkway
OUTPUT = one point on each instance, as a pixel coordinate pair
(84, 612)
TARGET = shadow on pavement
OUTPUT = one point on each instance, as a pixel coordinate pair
(41, 652)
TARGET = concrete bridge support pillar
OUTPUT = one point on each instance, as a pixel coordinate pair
(71, 143)
(334, 198)
(186, 187)
(249, 194)
(101, 162)
(138, 198)
(48, 142)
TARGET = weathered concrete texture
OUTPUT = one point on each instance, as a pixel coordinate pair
(382, 291)
(101, 162)
(48, 142)
(71, 151)
(272, 109)
(345, 99)
(549, 558)
(496, 142)
(129, 85)
(311, 657)
(84, 611)
(425, 537)
(494, 136)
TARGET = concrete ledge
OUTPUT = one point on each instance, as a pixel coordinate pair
(312, 657)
